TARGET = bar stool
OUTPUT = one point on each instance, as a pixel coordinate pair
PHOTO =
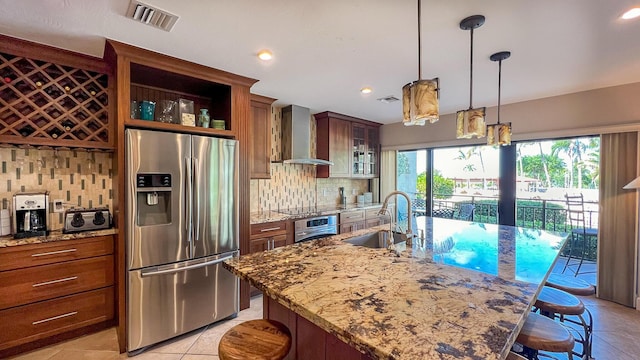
(540, 333)
(581, 235)
(255, 339)
(514, 356)
(554, 303)
(570, 284)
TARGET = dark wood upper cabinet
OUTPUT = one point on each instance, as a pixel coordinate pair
(260, 131)
(351, 143)
(145, 75)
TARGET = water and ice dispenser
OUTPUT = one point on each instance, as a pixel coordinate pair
(153, 197)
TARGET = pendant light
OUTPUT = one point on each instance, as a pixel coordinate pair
(470, 122)
(500, 133)
(420, 97)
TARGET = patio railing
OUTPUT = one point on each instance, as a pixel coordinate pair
(543, 214)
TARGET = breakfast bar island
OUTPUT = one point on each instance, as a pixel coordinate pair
(463, 291)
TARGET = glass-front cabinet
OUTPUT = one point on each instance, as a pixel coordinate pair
(352, 144)
(365, 150)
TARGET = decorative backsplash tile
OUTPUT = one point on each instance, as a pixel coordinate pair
(294, 186)
(77, 177)
(276, 134)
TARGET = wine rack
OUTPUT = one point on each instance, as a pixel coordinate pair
(43, 103)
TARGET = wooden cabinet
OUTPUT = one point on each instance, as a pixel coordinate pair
(260, 124)
(365, 150)
(362, 219)
(351, 143)
(51, 289)
(308, 341)
(142, 75)
(352, 221)
(268, 236)
(53, 97)
(333, 143)
(373, 217)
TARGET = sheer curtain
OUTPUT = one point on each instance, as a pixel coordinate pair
(388, 172)
(617, 238)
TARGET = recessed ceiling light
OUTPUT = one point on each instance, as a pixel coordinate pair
(265, 55)
(366, 90)
(631, 14)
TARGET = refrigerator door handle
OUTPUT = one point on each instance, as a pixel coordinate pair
(185, 268)
(196, 186)
(189, 203)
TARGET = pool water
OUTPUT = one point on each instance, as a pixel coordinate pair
(509, 252)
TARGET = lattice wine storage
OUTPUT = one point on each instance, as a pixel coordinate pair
(42, 103)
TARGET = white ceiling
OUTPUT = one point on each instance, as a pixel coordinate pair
(325, 51)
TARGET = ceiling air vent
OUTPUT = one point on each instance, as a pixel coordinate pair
(388, 99)
(151, 16)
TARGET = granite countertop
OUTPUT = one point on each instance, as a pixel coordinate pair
(260, 217)
(462, 293)
(55, 235)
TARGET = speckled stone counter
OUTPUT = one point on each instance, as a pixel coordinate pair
(56, 235)
(299, 213)
(462, 293)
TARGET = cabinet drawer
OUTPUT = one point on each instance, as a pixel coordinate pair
(350, 216)
(374, 222)
(32, 322)
(373, 213)
(269, 228)
(22, 256)
(352, 226)
(38, 283)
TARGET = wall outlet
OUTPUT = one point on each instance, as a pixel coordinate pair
(354, 191)
(58, 206)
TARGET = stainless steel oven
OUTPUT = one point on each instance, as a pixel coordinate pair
(315, 228)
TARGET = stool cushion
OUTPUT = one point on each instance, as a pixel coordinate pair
(255, 339)
(571, 284)
(559, 302)
(543, 334)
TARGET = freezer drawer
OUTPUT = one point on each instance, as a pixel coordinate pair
(166, 301)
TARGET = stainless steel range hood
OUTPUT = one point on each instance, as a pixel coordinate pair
(296, 137)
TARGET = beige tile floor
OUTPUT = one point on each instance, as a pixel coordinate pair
(616, 335)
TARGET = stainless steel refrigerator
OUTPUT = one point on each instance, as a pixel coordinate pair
(182, 222)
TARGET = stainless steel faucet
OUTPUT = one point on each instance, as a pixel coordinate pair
(407, 235)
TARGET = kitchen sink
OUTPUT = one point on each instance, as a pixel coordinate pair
(374, 240)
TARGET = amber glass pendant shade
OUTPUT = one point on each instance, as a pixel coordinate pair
(499, 134)
(470, 123)
(420, 102)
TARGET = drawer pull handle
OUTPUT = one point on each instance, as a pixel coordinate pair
(270, 229)
(54, 318)
(55, 252)
(55, 281)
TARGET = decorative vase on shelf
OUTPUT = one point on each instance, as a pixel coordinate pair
(204, 118)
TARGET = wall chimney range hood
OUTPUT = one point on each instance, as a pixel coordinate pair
(296, 137)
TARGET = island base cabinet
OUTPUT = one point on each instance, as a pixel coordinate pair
(309, 341)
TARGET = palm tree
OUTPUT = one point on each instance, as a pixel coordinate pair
(575, 149)
(468, 155)
(545, 166)
(567, 147)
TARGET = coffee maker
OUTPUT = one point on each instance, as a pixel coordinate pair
(30, 213)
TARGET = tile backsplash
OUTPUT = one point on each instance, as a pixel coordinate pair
(295, 185)
(77, 177)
